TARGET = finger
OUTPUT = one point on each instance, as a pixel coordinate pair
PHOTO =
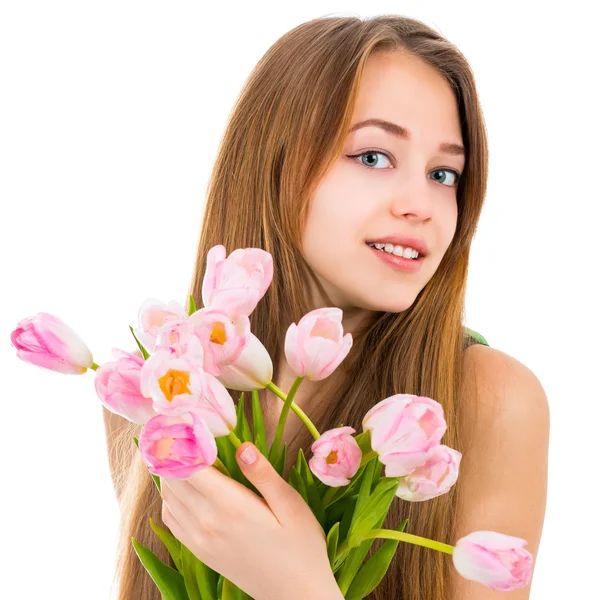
(176, 500)
(209, 482)
(170, 521)
(283, 500)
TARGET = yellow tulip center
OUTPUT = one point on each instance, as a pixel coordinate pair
(332, 458)
(218, 335)
(173, 383)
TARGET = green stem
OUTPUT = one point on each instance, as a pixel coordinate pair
(218, 464)
(403, 537)
(303, 417)
(275, 446)
(94, 366)
(234, 439)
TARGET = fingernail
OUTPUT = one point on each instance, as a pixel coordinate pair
(248, 455)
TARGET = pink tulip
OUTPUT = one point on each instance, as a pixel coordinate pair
(317, 345)
(46, 341)
(403, 429)
(337, 457)
(174, 383)
(152, 315)
(236, 284)
(433, 478)
(251, 370)
(177, 386)
(496, 560)
(118, 387)
(222, 339)
(216, 407)
(176, 447)
(180, 339)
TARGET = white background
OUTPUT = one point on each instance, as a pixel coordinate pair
(110, 117)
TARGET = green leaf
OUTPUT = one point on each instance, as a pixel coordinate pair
(376, 507)
(297, 483)
(364, 441)
(172, 544)
(168, 581)
(279, 464)
(193, 308)
(339, 509)
(226, 452)
(232, 592)
(242, 429)
(314, 498)
(374, 570)
(365, 487)
(354, 559)
(260, 435)
(155, 478)
(347, 516)
(332, 542)
(142, 349)
(239, 410)
(200, 580)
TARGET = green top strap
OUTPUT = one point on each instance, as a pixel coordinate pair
(476, 336)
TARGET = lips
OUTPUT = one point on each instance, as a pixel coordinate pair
(409, 265)
(404, 241)
(372, 245)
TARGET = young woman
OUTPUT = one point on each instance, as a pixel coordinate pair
(351, 133)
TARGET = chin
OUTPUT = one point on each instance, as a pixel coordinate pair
(392, 305)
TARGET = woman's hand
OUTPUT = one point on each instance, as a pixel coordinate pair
(271, 548)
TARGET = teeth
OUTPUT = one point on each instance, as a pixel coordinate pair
(396, 250)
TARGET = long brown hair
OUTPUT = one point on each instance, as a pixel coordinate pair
(307, 84)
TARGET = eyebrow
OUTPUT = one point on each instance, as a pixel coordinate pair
(403, 133)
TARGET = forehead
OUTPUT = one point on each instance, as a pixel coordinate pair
(401, 88)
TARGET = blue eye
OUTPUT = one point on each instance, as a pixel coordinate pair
(368, 153)
(456, 174)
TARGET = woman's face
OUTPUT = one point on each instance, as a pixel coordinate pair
(397, 187)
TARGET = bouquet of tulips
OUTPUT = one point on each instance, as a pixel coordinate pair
(175, 386)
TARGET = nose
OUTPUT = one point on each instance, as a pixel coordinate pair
(413, 198)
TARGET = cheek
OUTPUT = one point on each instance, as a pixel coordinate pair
(338, 213)
(334, 227)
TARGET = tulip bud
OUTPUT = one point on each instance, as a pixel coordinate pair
(336, 457)
(251, 370)
(177, 446)
(174, 384)
(498, 561)
(118, 387)
(433, 478)
(317, 345)
(153, 314)
(403, 429)
(46, 341)
(222, 339)
(236, 283)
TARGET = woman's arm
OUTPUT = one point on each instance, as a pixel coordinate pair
(504, 474)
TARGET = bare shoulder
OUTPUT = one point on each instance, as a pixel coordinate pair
(503, 473)
(504, 386)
